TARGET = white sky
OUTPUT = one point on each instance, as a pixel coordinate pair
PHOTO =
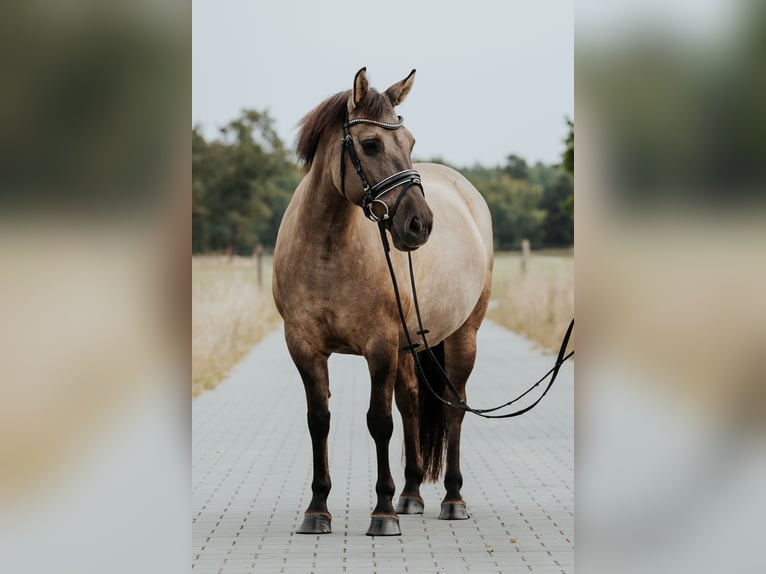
(493, 77)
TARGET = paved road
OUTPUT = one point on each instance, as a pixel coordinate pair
(251, 473)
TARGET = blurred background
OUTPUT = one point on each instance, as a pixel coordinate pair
(670, 181)
(94, 286)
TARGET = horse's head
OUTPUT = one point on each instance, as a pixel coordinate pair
(376, 165)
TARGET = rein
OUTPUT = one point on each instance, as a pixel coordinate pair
(412, 346)
(372, 195)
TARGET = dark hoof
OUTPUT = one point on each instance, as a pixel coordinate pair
(384, 526)
(409, 505)
(453, 511)
(315, 524)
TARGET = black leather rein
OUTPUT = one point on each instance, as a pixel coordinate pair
(422, 332)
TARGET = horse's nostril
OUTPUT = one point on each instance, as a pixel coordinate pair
(415, 226)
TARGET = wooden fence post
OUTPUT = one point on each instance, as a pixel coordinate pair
(524, 256)
(258, 254)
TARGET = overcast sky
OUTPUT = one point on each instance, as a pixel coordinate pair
(493, 77)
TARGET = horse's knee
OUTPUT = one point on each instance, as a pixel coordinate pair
(380, 425)
(319, 422)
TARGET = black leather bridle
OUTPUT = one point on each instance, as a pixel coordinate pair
(372, 194)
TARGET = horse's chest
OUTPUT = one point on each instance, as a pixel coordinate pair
(335, 307)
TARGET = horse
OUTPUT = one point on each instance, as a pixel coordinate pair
(332, 287)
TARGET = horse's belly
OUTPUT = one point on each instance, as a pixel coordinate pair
(445, 313)
(449, 291)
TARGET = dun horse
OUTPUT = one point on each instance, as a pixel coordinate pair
(333, 289)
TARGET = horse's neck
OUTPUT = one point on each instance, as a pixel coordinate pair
(325, 214)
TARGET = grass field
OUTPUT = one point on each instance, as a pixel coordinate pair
(230, 312)
(538, 304)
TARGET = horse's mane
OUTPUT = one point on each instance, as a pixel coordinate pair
(332, 112)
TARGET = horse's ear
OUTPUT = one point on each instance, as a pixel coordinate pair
(399, 90)
(360, 89)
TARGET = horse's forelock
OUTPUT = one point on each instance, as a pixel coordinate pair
(332, 112)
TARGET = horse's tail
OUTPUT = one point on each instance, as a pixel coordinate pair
(433, 427)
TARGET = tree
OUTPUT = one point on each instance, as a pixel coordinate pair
(567, 163)
(514, 206)
(517, 167)
(567, 158)
(558, 226)
(243, 180)
(241, 184)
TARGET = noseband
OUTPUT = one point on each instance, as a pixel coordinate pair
(372, 195)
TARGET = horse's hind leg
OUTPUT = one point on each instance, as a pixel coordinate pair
(313, 370)
(460, 355)
(406, 393)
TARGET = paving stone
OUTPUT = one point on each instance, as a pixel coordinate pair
(251, 471)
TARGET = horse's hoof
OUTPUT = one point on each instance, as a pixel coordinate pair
(453, 511)
(409, 505)
(315, 524)
(384, 526)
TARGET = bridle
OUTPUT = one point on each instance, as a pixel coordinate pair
(407, 177)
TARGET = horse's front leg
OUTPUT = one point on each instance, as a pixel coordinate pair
(380, 423)
(410, 501)
(312, 367)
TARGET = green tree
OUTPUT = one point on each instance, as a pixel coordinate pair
(241, 184)
(567, 158)
(558, 225)
(516, 167)
(567, 163)
(514, 205)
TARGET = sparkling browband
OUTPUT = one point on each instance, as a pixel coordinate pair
(384, 125)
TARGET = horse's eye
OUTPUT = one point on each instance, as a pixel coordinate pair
(371, 147)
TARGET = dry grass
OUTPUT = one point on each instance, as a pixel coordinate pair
(538, 304)
(230, 313)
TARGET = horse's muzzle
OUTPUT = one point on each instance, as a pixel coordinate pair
(418, 230)
(413, 233)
